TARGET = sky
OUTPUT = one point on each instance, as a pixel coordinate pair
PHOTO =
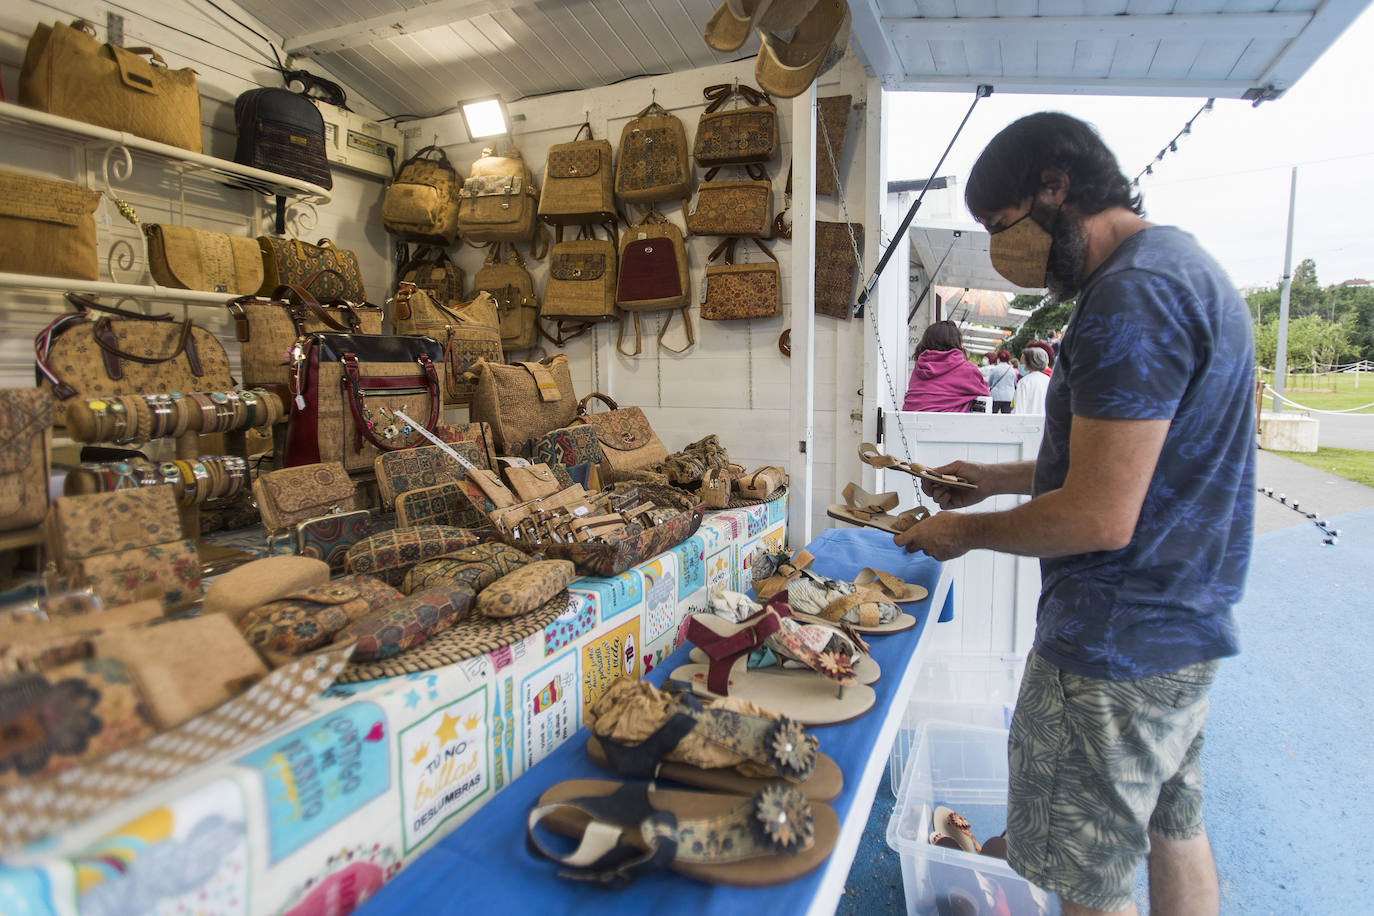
(1229, 182)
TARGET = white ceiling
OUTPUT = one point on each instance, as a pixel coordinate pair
(420, 58)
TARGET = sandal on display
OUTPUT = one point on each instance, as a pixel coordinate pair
(725, 745)
(825, 691)
(861, 508)
(815, 599)
(772, 571)
(626, 829)
(869, 454)
(954, 826)
(889, 586)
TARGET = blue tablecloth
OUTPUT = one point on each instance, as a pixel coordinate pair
(483, 866)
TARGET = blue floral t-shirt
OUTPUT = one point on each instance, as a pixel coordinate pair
(1159, 333)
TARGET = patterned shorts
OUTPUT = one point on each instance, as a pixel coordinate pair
(1097, 766)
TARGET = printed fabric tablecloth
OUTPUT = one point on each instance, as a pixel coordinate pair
(317, 816)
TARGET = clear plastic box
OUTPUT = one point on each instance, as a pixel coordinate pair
(967, 688)
(965, 768)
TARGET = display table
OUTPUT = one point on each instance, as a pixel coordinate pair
(484, 867)
(316, 816)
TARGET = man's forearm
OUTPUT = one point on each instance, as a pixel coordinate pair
(1012, 477)
(1051, 525)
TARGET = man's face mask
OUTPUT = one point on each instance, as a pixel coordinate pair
(1021, 252)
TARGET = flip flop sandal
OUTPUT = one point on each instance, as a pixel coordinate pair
(861, 508)
(711, 746)
(626, 829)
(955, 826)
(777, 653)
(773, 571)
(830, 696)
(869, 454)
(814, 599)
(889, 586)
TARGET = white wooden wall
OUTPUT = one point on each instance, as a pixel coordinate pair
(734, 382)
(228, 61)
(995, 594)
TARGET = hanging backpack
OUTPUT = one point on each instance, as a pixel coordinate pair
(653, 159)
(581, 287)
(421, 205)
(512, 287)
(652, 278)
(499, 200)
(432, 270)
(578, 180)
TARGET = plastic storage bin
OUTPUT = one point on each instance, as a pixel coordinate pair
(964, 688)
(964, 767)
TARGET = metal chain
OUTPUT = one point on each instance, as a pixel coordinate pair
(658, 358)
(859, 269)
(749, 347)
(596, 361)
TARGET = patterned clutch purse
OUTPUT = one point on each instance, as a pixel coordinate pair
(735, 291)
(328, 537)
(291, 495)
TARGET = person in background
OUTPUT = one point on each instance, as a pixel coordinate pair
(1002, 382)
(1048, 351)
(1055, 337)
(1030, 391)
(943, 380)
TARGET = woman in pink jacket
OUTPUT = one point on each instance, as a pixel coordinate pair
(943, 380)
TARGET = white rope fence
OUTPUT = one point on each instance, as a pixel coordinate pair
(1268, 390)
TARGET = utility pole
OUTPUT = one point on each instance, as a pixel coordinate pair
(1281, 354)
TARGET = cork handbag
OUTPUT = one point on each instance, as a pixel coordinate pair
(578, 181)
(432, 270)
(735, 291)
(26, 416)
(327, 271)
(835, 266)
(48, 228)
(581, 284)
(737, 208)
(213, 262)
(267, 328)
(739, 135)
(67, 72)
(288, 496)
(346, 390)
(523, 401)
(421, 205)
(653, 277)
(503, 274)
(124, 353)
(469, 331)
(628, 442)
(499, 200)
(653, 159)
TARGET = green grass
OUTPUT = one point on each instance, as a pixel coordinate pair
(1352, 464)
(1330, 391)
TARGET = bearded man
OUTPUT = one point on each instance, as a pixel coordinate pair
(1141, 512)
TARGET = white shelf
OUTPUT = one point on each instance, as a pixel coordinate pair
(174, 158)
(150, 293)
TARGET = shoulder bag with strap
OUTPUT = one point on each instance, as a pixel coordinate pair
(505, 277)
(523, 401)
(653, 277)
(628, 442)
(267, 327)
(740, 135)
(735, 291)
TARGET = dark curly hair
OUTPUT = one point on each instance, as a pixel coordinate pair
(942, 335)
(1009, 170)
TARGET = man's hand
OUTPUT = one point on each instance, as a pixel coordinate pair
(943, 536)
(961, 497)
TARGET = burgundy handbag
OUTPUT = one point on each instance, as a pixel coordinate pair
(346, 390)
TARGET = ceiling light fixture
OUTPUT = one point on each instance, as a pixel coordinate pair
(484, 117)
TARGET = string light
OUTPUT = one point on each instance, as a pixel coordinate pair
(1172, 146)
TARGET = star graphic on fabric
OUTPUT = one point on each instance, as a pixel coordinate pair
(412, 700)
(420, 754)
(447, 730)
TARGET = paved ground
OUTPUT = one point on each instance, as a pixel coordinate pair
(1314, 491)
(1349, 431)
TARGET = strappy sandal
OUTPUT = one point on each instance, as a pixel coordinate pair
(815, 599)
(861, 508)
(869, 454)
(773, 571)
(830, 696)
(639, 731)
(889, 586)
(842, 638)
(627, 829)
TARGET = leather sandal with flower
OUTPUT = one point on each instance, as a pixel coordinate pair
(824, 690)
(869, 455)
(624, 830)
(862, 508)
(725, 744)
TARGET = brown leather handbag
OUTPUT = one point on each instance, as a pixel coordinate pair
(129, 353)
(578, 181)
(267, 328)
(627, 440)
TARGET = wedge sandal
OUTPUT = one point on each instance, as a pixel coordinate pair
(627, 829)
(869, 454)
(825, 692)
(639, 731)
(861, 508)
